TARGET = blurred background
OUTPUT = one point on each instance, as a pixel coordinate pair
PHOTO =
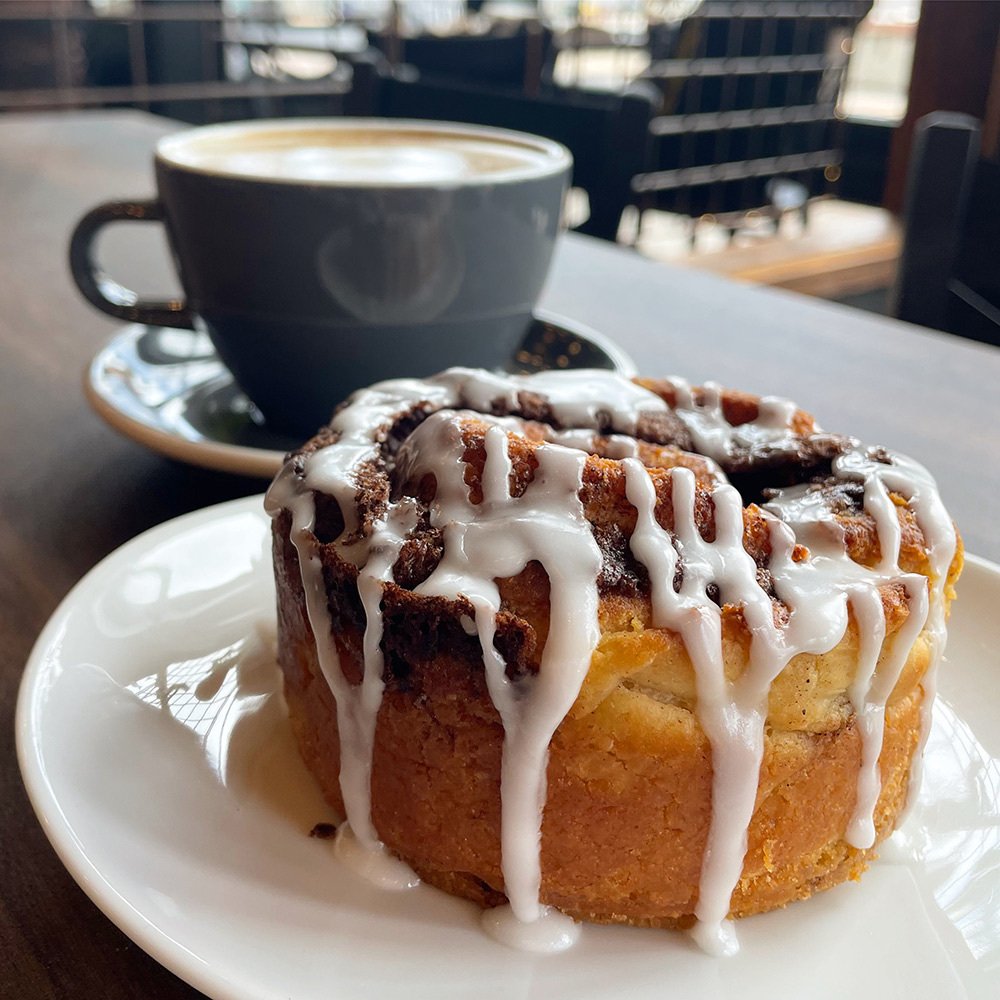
(783, 143)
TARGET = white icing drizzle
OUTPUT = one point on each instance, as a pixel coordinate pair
(578, 398)
(716, 438)
(550, 933)
(374, 864)
(735, 735)
(621, 446)
(498, 537)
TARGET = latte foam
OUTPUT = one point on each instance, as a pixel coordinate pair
(377, 153)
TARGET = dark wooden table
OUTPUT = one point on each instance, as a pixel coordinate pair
(71, 490)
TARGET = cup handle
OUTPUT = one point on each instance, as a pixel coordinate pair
(99, 288)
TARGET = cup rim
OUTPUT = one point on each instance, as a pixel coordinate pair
(558, 157)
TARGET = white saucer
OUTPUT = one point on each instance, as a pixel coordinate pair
(168, 390)
(165, 776)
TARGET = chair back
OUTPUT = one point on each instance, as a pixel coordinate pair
(948, 276)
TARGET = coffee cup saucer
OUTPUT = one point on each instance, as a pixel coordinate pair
(167, 389)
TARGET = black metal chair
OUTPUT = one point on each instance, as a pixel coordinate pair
(749, 94)
(949, 267)
(508, 56)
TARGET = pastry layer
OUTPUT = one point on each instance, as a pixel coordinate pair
(629, 775)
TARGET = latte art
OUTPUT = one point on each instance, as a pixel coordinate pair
(373, 154)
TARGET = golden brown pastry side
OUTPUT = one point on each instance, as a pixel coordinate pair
(629, 776)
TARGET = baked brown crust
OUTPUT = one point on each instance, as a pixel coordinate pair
(630, 771)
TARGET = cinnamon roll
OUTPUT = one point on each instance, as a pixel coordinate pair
(572, 646)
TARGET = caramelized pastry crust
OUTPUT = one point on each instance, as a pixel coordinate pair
(628, 801)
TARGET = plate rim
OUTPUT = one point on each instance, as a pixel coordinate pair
(206, 454)
(262, 463)
(44, 803)
(177, 959)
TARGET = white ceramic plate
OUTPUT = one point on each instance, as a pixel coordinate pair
(168, 390)
(155, 750)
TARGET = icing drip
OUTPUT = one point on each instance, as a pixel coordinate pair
(550, 933)
(498, 537)
(869, 711)
(333, 471)
(373, 864)
(735, 732)
(870, 691)
(716, 438)
(579, 399)
(620, 446)
(357, 705)
(915, 483)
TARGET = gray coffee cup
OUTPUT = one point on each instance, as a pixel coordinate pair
(323, 255)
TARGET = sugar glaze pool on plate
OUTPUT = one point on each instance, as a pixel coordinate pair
(154, 745)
